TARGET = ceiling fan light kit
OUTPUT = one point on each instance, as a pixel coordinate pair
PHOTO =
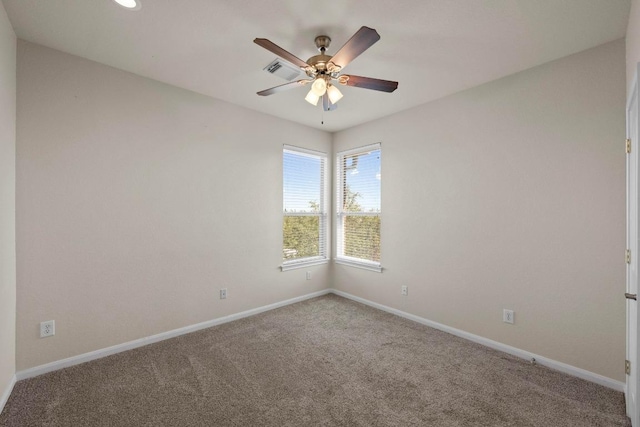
(319, 86)
(334, 94)
(323, 69)
(312, 98)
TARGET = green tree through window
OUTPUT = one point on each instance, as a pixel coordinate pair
(361, 233)
(301, 235)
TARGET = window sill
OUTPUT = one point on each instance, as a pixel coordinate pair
(303, 264)
(360, 264)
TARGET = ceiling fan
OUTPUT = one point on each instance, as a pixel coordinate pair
(323, 70)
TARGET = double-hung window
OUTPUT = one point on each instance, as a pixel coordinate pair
(358, 181)
(304, 226)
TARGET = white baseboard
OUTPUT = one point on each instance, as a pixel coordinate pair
(97, 354)
(541, 360)
(7, 392)
(86, 357)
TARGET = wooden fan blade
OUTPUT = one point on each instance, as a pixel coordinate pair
(362, 40)
(326, 103)
(370, 83)
(274, 48)
(283, 87)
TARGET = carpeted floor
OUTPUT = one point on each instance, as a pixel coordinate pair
(323, 362)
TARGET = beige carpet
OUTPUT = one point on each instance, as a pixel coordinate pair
(324, 362)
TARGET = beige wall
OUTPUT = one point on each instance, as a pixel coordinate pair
(633, 41)
(137, 201)
(510, 195)
(7, 202)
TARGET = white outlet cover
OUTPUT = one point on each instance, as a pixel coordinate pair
(508, 316)
(48, 328)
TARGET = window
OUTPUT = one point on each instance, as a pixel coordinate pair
(304, 227)
(358, 207)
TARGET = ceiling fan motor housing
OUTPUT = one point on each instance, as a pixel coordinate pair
(319, 64)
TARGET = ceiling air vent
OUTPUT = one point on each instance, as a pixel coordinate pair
(283, 69)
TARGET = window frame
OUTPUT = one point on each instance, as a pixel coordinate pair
(322, 215)
(340, 258)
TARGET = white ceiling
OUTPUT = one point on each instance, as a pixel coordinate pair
(433, 48)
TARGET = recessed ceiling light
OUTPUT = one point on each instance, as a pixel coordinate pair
(129, 4)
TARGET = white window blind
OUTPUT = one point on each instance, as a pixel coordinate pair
(358, 207)
(304, 207)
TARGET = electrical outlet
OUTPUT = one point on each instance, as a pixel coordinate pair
(48, 328)
(223, 293)
(507, 316)
(308, 275)
(405, 290)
